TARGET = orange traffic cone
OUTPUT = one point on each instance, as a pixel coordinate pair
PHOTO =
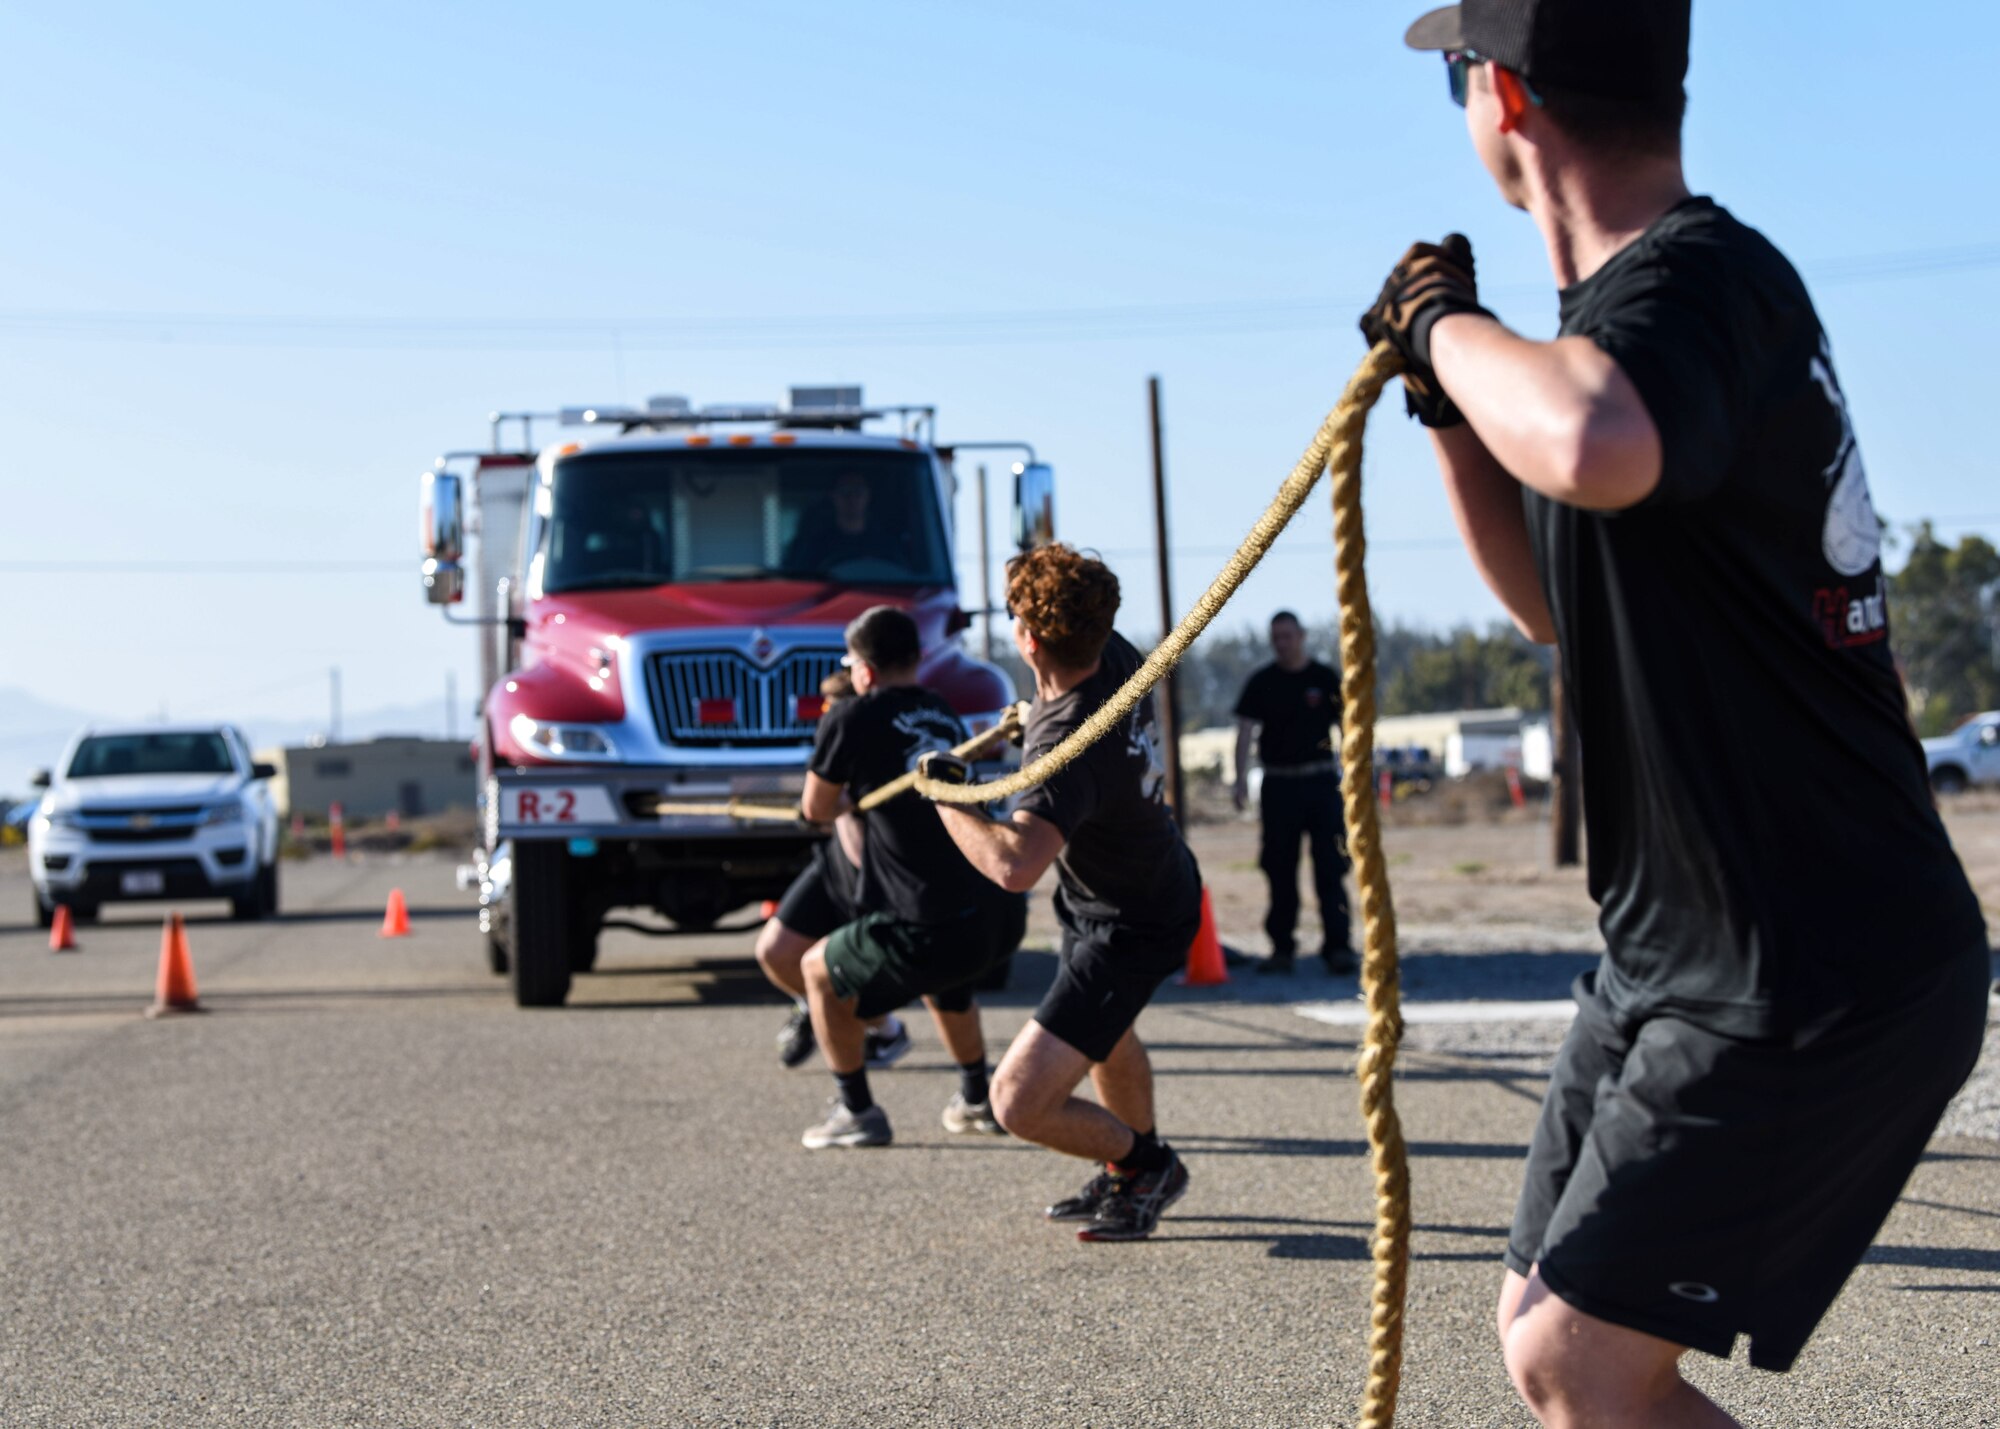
(396, 917)
(175, 990)
(62, 938)
(768, 909)
(1204, 963)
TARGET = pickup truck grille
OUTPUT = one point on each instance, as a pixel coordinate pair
(719, 697)
(138, 826)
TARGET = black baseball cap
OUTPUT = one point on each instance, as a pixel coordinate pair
(1614, 49)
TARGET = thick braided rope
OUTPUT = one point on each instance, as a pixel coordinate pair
(1337, 446)
(1380, 980)
(1349, 416)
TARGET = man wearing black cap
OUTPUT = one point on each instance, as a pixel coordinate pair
(1795, 976)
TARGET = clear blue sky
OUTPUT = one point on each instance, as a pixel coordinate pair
(262, 263)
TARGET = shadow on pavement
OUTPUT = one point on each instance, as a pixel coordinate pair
(1287, 1244)
(1314, 1146)
(1935, 1257)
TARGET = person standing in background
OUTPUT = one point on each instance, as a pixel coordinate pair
(1292, 708)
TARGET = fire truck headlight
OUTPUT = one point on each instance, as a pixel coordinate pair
(562, 741)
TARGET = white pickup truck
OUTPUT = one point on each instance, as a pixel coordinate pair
(1968, 756)
(155, 812)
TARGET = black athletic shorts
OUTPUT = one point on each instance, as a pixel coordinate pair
(810, 908)
(885, 963)
(1697, 1187)
(1108, 973)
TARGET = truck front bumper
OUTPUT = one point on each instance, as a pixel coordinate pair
(582, 802)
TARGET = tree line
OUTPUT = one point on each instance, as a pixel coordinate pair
(1944, 610)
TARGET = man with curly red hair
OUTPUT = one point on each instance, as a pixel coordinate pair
(1128, 899)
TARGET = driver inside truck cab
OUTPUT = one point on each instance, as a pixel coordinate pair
(842, 528)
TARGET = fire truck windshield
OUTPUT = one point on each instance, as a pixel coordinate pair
(867, 516)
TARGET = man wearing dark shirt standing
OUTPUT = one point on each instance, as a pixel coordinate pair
(1128, 899)
(1795, 976)
(931, 925)
(1292, 707)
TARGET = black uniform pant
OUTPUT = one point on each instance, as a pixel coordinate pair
(1295, 810)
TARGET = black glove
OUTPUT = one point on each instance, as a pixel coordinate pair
(944, 767)
(1432, 281)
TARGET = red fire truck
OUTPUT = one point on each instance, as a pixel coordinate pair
(657, 605)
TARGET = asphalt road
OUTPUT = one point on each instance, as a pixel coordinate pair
(364, 1189)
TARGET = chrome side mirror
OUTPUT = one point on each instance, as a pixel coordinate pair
(442, 529)
(1034, 505)
(443, 517)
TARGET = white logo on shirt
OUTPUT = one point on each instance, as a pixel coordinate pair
(1852, 538)
(928, 732)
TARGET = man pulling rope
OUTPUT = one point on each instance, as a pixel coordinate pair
(1795, 981)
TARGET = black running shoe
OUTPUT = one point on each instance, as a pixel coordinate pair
(1083, 1205)
(1135, 1203)
(1278, 965)
(1341, 961)
(795, 1039)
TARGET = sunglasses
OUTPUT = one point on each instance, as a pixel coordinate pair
(1458, 74)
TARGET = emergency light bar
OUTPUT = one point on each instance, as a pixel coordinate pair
(833, 408)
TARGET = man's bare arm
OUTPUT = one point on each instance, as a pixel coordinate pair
(1486, 503)
(1014, 854)
(1560, 416)
(823, 799)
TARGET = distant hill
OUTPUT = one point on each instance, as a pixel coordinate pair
(33, 730)
(32, 734)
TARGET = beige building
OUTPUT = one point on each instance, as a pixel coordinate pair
(405, 776)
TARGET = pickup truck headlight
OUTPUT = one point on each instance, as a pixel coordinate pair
(562, 741)
(229, 813)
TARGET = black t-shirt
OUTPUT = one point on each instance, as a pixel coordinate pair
(1763, 846)
(1297, 711)
(910, 868)
(839, 875)
(1123, 860)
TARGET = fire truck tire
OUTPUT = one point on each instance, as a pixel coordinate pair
(45, 915)
(540, 924)
(496, 955)
(583, 944)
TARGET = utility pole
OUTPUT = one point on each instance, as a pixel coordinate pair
(1169, 706)
(450, 704)
(985, 576)
(1566, 775)
(333, 722)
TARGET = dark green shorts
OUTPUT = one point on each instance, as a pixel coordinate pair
(884, 963)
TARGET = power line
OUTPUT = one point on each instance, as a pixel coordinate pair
(202, 568)
(657, 334)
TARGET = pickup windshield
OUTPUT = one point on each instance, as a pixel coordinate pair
(865, 516)
(103, 756)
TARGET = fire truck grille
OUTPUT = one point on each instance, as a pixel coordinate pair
(718, 697)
